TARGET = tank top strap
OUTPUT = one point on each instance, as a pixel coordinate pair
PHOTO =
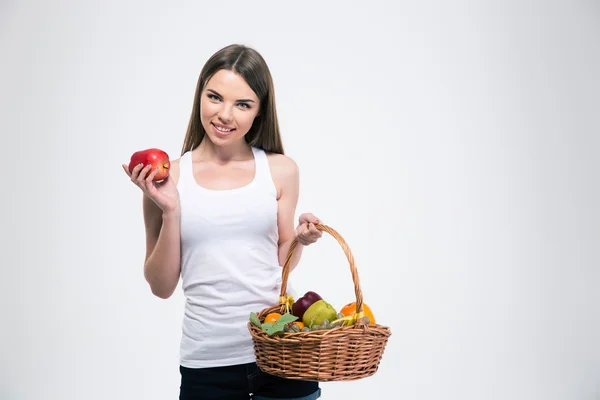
(263, 177)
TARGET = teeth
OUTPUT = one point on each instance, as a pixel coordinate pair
(223, 129)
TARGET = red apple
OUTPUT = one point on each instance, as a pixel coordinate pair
(301, 305)
(156, 158)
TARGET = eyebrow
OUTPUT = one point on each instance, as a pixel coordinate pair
(242, 100)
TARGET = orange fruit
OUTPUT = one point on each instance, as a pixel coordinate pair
(350, 309)
(299, 323)
(272, 317)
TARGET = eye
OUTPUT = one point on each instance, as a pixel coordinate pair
(244, 105)
(213, 97)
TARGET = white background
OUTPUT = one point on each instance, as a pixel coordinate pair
(454, 146)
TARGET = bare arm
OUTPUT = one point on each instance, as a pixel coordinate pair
(162, 264)
(286, 177)
(161, 209)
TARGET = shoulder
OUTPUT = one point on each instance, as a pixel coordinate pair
(282, 166)
(284, 170)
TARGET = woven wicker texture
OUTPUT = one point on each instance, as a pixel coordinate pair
(338, 354)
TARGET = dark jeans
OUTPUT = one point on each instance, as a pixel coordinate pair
(242, 382)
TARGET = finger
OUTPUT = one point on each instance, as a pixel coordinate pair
(306, 230)
(126, 169)
(151, 189)
(308, 217)
(136, 171)
(302, 241)
(299, 234)
(143, 173)
(314, 231)
(151, 176)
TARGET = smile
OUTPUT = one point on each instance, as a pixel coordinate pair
(221, 129)
(222, 132)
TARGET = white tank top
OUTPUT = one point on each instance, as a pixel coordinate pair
(229, 264)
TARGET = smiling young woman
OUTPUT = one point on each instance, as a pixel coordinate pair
(223, 222)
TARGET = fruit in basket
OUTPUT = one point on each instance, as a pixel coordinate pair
(303, 303)
(294, 326)
(299, 323)
(350, 309)
(317, 312)
(276, 324)
(157, 158)
(272, 317)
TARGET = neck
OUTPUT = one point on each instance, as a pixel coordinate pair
(208, 151)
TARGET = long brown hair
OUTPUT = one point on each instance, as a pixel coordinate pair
(251, 66)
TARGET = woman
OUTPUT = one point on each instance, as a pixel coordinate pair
(223, 220)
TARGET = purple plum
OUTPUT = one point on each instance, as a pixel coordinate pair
(301, 305)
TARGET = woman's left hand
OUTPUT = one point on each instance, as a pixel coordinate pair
(306, 232)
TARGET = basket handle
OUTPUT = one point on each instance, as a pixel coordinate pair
(345, 247)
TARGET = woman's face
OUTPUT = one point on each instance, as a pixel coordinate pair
(228, 107)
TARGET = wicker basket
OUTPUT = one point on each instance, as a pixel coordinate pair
(342, 353)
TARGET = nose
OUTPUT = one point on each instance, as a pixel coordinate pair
(226, 114)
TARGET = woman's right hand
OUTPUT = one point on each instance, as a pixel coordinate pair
(163, 193)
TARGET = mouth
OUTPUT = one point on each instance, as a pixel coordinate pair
(222, 129)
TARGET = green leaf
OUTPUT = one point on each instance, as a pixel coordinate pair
(266, 325)
(280, 324)
(287, 318)
(254, 319)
